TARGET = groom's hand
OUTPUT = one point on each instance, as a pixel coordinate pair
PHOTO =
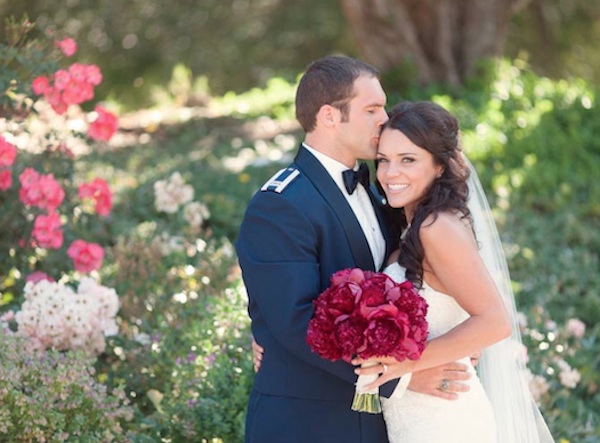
(445, 381)
(257, 354)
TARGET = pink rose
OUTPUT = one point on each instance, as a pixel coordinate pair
(30, 194)
(5, 179)
(38, 276)
(68, 46)
(98, 191)
(8, 152)
(40, 85)
(42, 191)
(52, 191)
(47, 231)
(86, 257)
(104, 126)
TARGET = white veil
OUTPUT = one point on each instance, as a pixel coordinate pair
(501, 366)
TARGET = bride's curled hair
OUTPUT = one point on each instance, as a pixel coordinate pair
(433, 128)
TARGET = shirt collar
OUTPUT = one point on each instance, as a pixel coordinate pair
(332, 166)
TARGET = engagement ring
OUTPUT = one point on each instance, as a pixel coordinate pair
(444, 385)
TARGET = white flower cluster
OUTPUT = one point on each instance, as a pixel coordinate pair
(172, 193)
(569, 377)
(538, 386)
(195, 213)
(55, 316)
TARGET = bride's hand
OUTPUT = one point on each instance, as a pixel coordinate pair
(445, 381)
(257, 354)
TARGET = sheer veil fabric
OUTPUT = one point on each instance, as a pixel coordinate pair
(502, 367)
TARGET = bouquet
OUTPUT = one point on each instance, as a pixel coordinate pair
(366, 314)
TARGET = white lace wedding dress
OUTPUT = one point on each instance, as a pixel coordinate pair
(420, 418)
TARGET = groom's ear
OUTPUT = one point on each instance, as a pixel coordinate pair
(328, 116)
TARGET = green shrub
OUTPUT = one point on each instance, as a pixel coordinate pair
(55, 397)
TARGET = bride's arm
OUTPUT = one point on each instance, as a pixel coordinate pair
(455, 268)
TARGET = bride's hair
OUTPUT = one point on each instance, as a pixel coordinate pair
(433, 128)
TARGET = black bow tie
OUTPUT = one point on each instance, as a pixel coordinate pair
(353, 178)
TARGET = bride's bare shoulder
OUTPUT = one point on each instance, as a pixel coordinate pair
(446, 226)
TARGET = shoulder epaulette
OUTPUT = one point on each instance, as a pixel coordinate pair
(280, 180)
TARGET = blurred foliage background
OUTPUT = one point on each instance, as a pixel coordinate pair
(240, 44)
(220, 77)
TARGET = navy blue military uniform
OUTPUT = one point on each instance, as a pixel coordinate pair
(299, 230)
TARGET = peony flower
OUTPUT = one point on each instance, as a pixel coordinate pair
(366, 314)
(86, 257)
(104, 126)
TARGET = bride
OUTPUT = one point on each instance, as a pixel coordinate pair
(450, 250)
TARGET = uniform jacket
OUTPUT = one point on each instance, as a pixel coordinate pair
(299, 230)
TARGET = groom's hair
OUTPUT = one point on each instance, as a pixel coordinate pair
(328, 81)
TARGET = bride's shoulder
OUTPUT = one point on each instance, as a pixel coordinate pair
(445, 227)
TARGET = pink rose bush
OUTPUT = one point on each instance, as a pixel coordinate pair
(49, 216)
(66, 87)
(41, 200)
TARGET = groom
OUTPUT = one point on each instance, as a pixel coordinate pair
(308, 221)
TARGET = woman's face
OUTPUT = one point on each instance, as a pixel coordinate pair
(405, 170)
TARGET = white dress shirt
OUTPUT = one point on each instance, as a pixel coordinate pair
(360, 203)
(363, 209)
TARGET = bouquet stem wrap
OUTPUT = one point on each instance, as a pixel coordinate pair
(366, 400)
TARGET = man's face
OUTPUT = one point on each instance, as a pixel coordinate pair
(359, 133)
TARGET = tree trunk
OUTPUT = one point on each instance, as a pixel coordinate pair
(443, 39)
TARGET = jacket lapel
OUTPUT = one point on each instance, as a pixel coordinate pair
(318, 175)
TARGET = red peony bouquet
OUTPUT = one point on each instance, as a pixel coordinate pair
(366, 314)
